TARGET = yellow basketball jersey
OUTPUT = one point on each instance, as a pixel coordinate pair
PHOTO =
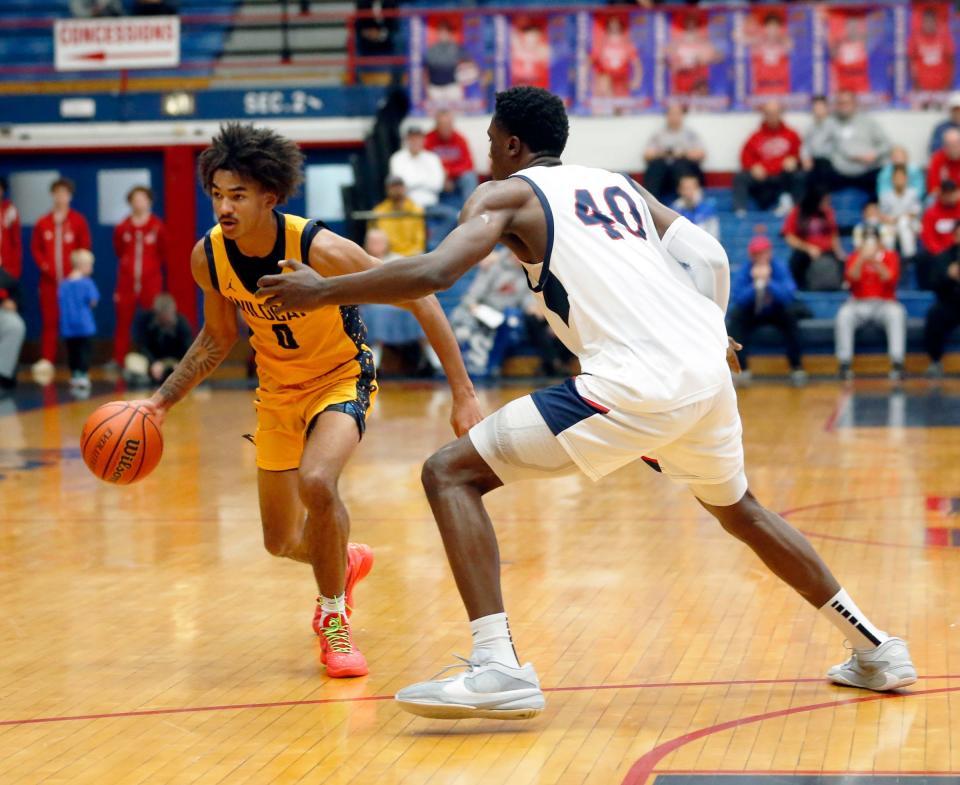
(292, 348)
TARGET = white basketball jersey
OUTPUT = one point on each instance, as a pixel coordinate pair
(647, 342)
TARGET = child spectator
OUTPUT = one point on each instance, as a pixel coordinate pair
(916, 177)
(140, 242)
(945, 162)
(900, 209)
(55, 237)
(771, 162)
(454, 153)
(817, 144)
(78, 296)
(871, 222)
(763, 294)
(811, 230)
(937, 232)
(11, 242)
(697, 208)
(12, 331)
(872, 273)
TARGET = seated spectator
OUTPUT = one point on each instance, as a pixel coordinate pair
(945, 163)
(771, 163)
(916, 179)
(11, 239)
(871, 222)
(406, 233)
(858, 148)
(693, 205)
(77, 296)
(672, 152)
(817, 146)
(952, 121)
(811, 230)
(937, 232)
(900, 208)
(872, 272)
(85, 8)
(489, 311)
(12, 331)
(944, 315)
(762, 293)
(161, 338)
(454, 153)
(154, 7)
(392, 326)
(422, 172)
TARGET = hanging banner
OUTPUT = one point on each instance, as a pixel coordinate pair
(773, 56)
(616, 65)
(930, 59)
(539, 50)
(699, 58)
(450, 63)
(860, 50)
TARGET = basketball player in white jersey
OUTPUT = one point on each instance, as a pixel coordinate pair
(612, 268)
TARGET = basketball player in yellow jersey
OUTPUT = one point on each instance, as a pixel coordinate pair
(317, 378)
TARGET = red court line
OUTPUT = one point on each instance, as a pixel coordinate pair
(369, 698)
(831, 424)
(643, 768)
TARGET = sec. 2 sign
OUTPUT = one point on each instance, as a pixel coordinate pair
(280, 102)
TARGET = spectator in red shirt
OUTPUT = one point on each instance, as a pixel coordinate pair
(872, 273)
(454, 154)
(811, 230)
(931, 53)
(140, 242)
(55, 237)
(937, 231)
(11, 241)
(945, 163)
(771, 163)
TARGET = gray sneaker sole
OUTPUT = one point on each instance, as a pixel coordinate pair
(514, 710)
(893, 679)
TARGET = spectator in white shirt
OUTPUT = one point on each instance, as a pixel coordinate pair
(423, 173)
(901, 209)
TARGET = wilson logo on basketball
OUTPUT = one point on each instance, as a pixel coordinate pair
(130, 449)
(98, 447)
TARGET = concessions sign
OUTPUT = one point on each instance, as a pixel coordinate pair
(111, 44)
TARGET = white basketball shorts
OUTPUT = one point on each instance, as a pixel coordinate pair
(557, 430)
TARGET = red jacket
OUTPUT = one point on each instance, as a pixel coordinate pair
(11, 241)
(941, 168)
(870, 284)
(939, 225)
(770, 147)
(454, 153)
(53, 243)
(141, 251)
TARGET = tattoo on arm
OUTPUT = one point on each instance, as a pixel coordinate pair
(198, 363)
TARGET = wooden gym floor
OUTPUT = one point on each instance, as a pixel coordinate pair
(146, 637)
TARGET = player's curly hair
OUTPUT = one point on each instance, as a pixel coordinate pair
(272, 161)
(535, 116)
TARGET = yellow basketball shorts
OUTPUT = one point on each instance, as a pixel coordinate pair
(285, 414)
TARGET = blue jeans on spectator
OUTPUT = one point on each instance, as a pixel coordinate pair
(441, 220)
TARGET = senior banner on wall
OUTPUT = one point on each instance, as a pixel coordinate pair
(927, 62)
(451, 63)
(773, 56)
(539, 50)
(859, 46)
(697, 47)
(617, 64)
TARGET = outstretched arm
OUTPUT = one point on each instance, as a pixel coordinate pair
(335, 257)
(485, 218)
(210, 347)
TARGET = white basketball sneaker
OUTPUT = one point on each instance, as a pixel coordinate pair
(487, 691)
(887, 667)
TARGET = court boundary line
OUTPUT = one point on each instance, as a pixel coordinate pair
(645, 766)
(375, 698)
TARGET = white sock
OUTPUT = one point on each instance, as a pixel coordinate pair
(844, 614)
(492, 640)
(331, 605)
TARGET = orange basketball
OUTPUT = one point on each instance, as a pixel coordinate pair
(120, 443)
